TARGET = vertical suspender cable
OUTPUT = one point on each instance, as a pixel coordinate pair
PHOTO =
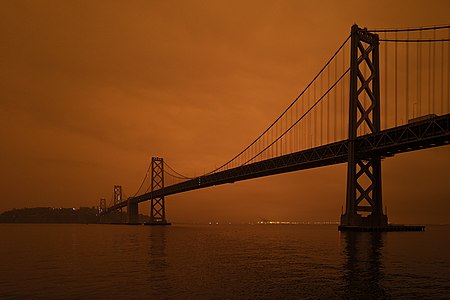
(385, 82)
(317, 113)
(272, 149)
(365, 100)
(309, 129)
(279, 131)
(328, 107)
(308, 120)
(251, 150)
(275, 137)
(286, 136)
(311, 117)
(442, 78)
(300, 126)
(407, 78)
(395, 81)
(448, 73)
(265, 137)
(294, 131)
(343, 95)
(280, 148)
(429, 79)
(249, 153)
(272, 137)
(335, 101)
(419, 62)
(256, 149)
(281, 140)
(314, 121)
(434, 71)
(304, 129)
(297, 137)
(284, 148)
(320, 120)
(260, 146)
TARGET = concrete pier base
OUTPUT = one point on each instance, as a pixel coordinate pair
(158, 224)
(372, 220)
(387, 228)
(125, 223)
(133, 213)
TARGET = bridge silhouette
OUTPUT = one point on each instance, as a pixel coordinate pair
(374, 98)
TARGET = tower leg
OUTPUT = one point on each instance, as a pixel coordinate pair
(364, 194)
(157, 211)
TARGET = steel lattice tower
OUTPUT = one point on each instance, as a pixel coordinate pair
(157, 208)
(102, 208)
(117, 194)
(364, 172)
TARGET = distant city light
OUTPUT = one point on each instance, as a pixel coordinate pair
(297, 223)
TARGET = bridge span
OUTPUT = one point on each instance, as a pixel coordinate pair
(387, 143)
(358, 110)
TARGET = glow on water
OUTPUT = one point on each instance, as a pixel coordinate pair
(50, 261)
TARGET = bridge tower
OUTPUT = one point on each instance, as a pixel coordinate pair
(102, 207)
(117, 194)
(157, 205)
(363, 172)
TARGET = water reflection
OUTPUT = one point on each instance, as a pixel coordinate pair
(363, 265)
(158, 263)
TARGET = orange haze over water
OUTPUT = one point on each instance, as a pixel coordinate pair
(91, 90)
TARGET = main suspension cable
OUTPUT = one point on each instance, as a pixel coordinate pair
(414, 41)
(435, 27)
(180, 176)
(293, 102)
(296, 122)
(143, 181)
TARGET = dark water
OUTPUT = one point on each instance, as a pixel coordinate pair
(221, 262)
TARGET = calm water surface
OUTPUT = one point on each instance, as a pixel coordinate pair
(52, 261)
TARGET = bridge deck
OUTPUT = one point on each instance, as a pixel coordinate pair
(415, 136)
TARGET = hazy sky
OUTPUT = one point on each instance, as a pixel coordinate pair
(91, 90)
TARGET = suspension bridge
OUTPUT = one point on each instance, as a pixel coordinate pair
(383, 92)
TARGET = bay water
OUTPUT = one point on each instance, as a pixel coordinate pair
(97, 261)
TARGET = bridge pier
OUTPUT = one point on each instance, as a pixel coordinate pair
(132, 212)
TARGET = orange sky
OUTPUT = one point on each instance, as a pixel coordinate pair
(90, 90)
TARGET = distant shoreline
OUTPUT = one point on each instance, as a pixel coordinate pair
(52, 215)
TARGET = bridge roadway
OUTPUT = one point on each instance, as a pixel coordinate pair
(415, 136)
